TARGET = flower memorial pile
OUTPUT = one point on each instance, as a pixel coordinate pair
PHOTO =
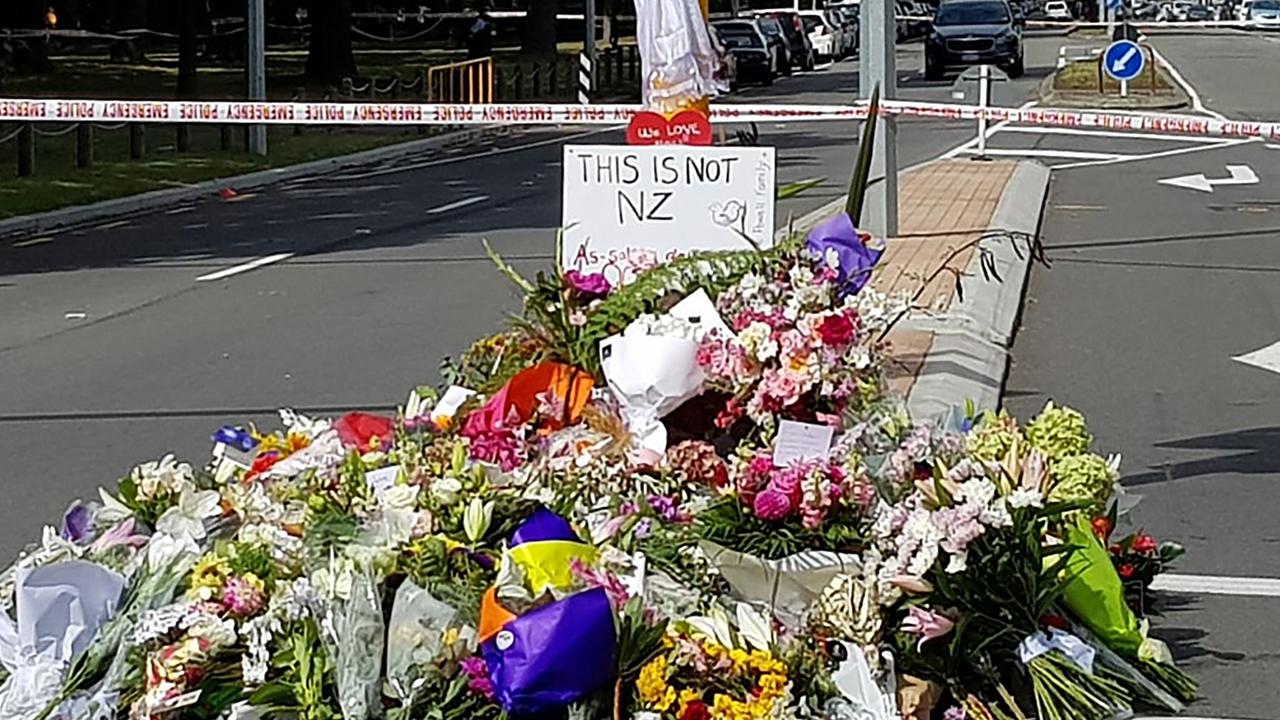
(690, 498)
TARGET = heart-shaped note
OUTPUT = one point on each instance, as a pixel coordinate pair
(688, 127)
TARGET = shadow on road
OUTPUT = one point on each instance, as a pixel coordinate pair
(1256, 452)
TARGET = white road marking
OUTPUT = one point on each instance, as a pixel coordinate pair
(458, 204)
(477, 156)
(1240, 175)
(1267, 358)
(33, 241)
(1037, 152)
(181, 210)
(991, 131)
(1110, 134)
(1217, 585)
(1153, 156)
(1196, 103)
(244, 267)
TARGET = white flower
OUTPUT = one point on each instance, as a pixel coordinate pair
(476, 520)
(301, 424)
(188, 516)
(170, 551)
(446, 490)
(958, 563)
(754, 627)
(1026, 497)
(162, 477)
(997, 515)
(980, 491)
(400, 497)
(112, 510)
(335, 581)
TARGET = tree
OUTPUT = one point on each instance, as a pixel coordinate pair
(540, 28)
(329, 57)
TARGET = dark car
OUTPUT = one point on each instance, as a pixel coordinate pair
(1200, 13)
(797, 38)
(973, 32)
(745, 42)
(777, 41)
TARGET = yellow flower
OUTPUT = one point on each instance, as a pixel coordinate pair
(655, 693)
(208, 574)
(741, 660)
(687, 696)
(450, 636)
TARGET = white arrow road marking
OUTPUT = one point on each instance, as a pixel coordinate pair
(1268, 358)
(1119, 64)
(1240, 175)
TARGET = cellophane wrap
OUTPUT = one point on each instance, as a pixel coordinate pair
(677, 57)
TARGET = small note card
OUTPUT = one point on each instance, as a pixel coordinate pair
(382, 479)
(801, 441)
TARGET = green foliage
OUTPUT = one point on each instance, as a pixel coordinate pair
(728, 523)
(451, 575)
(639, 640)
(860, 181)
(300, 688)
(711, 271)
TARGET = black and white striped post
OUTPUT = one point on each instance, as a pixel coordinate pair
(584, 78)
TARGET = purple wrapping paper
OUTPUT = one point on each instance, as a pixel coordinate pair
(543, 525)
(855, 258)
(554, 655)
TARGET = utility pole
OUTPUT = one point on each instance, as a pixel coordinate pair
(257, 69)
(589, 47)
(878, 68)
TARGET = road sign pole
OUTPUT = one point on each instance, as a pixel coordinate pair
(878, 68)
(984, 98)
(257, 70)
(589, 50)
(1124, 88)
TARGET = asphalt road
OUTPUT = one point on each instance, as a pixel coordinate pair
(1153, 290)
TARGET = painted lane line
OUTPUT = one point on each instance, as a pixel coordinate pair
(1154, 156)
(33, 241)
(1267, 358)
(1031, 130)
(458, 204)
(244, 267)
(1062, 154)
(1240, 175)
(1217, 585)
(477, 156)
(1196, 103)
(964, 147)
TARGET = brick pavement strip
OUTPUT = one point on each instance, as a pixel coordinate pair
(943, 205)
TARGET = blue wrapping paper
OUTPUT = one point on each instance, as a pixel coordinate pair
(553, 655)
(856, 258)
(543, 525)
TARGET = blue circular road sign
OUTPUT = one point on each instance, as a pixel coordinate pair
(1123, 60)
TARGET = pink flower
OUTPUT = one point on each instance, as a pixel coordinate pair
(501, 447)
(927, 624)
(955, 712)
(612, 586)
(772, 505)
(477, 672)
(121, 534)
(587, 285)
(241, 597)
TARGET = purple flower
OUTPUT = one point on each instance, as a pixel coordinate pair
(77, 523)
(477, 672)
(837, 241)
(588, 286)
(955, 712)
(242, 597)
(772, 505)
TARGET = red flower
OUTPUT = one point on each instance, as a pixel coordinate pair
(1102, 528)
(1144, 544)
(364, 431)
(1126, 570)
(1054, 621)
(695, 710)
(837, 330)
(261, 464)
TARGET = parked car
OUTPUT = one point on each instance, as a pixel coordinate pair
(1057, 10)
(777, 41)
(1265, 14)
(921, 10)
(848, 33)
(755, 61)
(1242, 10)
(973, 32)
(797, 37)
(901, 11)
(1200, 13)
(852, 23)
(825, 37)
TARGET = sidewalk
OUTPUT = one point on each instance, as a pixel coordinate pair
(948, 350)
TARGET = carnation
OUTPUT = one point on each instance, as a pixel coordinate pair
(1059, 432)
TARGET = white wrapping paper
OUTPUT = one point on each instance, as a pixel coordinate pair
(789, 585)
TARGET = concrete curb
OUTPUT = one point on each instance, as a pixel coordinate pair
(969, 358)
(109, 209)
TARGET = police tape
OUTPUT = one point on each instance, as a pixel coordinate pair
(548, 114)
(1146, 24)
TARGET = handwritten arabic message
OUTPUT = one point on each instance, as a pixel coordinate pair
(629, 208)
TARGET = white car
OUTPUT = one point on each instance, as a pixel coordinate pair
(1057, 10)
(1242, 10)
(1265, 14)
(823, 35)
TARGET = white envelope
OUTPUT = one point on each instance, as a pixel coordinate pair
(698, 309)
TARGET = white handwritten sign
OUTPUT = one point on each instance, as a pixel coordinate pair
(628, 208)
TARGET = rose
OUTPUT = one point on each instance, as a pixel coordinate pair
(1126, 570)
(588, 286)
(1102, 527)
(695, 710)
(837, 330)
(1144, 544)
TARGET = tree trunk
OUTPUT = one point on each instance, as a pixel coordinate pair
(329, 58)
(540, 28)
(188, 47)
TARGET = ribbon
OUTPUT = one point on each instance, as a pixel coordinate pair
(1071, 647)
